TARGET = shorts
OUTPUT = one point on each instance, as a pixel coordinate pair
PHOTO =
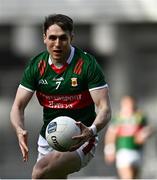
(86, 152)
(127, 157)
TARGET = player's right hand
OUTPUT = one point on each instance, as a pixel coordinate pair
(22, 138)
(109, 158)
(86, 135)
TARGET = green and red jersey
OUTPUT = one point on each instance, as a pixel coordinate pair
(64, 91)
(126, 130)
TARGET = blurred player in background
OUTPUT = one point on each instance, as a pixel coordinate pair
(67, 82)
(125, 136)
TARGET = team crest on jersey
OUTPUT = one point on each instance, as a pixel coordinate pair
(74, 82)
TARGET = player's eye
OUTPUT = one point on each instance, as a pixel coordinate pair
(63, 37)
(52, 37)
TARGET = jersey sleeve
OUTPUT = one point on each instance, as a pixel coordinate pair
(96, 78)
(29, 77)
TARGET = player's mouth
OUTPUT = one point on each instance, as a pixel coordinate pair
(57, 52)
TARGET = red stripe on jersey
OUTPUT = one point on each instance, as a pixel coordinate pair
(59, 70)
(42, 67)
(78, 67)
(89, 146)
(127, 130)
(69, 101)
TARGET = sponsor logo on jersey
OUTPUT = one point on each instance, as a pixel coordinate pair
(58, 79)
(74, 82)
(69, 101)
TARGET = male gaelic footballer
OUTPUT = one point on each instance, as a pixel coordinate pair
(67, 82)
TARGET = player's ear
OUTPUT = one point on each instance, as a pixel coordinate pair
(44, 37)
(72, 36)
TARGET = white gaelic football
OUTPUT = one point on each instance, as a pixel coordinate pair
(59, 133)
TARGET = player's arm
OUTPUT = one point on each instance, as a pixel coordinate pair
(144, 133)
(17, 119)
(102, 102)
(110, 144)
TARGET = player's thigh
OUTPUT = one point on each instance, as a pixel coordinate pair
(58, 162)
(68, 162)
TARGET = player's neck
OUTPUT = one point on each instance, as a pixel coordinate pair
(61, 62)
(57, 64)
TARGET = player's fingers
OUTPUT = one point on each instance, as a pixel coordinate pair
(25, 158)
(24, 146)
(73, 148)
(23, 139)
(80, 143)
(78, 137)
(80, 125)
(24, 153)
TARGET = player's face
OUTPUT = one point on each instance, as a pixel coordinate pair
(58, 43)
(128, 105)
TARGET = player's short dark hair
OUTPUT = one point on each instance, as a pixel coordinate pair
(65, 22)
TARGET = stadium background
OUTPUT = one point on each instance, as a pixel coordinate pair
(122, 34)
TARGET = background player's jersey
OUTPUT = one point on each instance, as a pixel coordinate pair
(64, 91)
(127, 129)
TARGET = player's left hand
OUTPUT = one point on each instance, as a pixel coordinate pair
(142, 135)
(22, 138)
(86, 135)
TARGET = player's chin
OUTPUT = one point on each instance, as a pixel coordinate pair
(57, 57)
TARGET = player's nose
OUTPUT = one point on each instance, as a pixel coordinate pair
(57, 42)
